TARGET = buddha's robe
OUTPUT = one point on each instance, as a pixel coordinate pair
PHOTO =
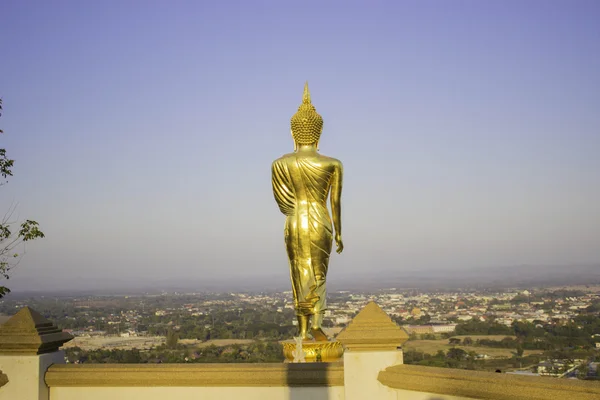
(301, 186)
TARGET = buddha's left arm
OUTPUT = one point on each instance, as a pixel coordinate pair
(336, 202)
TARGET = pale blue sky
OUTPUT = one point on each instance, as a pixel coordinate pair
(143, 133)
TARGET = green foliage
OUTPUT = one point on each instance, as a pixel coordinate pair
(474, 327)
(76, 354)
(506, 343)
(259, 351)
(28, 230)
(523, 329)
(564, 293)
(172, 339)
(594, 307)
(520, 350)
(551, 336)
(5, 164)
(422, 320)
(458, 358)
(456, 354)
(519, 299)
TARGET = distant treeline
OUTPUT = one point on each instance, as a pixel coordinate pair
(541, 336)
(259, 351)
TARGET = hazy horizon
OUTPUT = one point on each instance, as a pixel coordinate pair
(143, 134)
(523, 276)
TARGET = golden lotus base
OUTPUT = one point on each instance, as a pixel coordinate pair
(329, 351)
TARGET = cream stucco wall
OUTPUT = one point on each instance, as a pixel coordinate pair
(26, 375)
(361, 369)
(197, 393)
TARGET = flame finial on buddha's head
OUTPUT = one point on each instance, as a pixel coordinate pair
(307, 124)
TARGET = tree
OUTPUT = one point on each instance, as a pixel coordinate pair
(520, 350)
(172, 339)
(456, 354)
(519, 355)
(9, 240)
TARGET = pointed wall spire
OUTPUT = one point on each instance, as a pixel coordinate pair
(306, 95)
(28, 332)
(372, 330)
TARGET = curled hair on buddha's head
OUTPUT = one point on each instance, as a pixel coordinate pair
(306, 124)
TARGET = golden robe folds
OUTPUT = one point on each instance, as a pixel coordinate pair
(301, 186)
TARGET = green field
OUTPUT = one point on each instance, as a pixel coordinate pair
(433, 346)
(488, 337)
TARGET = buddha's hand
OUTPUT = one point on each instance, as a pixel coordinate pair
(339, 244)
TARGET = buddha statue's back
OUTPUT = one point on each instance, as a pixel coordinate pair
(302, 182)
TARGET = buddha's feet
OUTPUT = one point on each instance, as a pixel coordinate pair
(319, 335)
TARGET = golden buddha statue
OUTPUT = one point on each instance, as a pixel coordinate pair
(302, 181)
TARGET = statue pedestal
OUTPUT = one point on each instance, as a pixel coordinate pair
(322, 351)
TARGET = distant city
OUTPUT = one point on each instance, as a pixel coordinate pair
(540, 330)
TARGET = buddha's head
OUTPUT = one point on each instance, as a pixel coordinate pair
(307, 125)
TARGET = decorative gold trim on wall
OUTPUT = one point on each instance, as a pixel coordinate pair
(486, 385)
(119, 375)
